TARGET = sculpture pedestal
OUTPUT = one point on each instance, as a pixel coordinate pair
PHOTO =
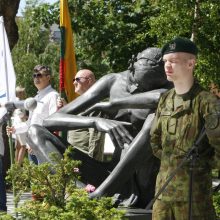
(138, 214)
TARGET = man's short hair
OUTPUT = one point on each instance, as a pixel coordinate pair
(42, 68)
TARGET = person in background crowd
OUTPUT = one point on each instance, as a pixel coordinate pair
(181, 115)
(19, 116)
(46, 104)
(88, 140)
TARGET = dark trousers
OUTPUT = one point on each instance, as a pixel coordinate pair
(3, 206)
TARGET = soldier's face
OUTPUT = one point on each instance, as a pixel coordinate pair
(178, 66)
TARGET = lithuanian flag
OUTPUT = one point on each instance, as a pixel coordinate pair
(67, 59)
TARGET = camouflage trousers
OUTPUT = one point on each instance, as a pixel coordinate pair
(163, 210)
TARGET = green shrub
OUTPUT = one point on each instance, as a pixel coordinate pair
(216, 202)
(60, 198)
(4, 216)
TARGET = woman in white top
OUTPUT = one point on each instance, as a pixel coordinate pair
(19, 116)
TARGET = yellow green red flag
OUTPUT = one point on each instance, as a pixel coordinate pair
(67, 54)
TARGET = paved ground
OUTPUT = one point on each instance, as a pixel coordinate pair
(10, 202)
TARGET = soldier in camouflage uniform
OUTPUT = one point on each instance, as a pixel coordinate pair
(182, 112)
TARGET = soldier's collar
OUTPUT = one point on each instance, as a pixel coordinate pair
(189, 95)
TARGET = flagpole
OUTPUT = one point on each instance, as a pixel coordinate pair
(11, 149)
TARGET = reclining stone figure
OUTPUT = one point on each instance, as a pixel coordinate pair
(133, 95)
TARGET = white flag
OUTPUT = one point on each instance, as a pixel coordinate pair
(7, 73)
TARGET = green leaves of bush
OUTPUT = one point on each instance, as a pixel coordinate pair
(56, 184)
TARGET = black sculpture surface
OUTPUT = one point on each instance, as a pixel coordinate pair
(133, 96)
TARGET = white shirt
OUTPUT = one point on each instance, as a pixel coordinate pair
(17, 117)
(46, 105)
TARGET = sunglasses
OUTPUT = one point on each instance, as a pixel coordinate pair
(78, 79)
(39, 75)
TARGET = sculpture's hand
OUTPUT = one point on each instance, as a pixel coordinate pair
(102, 106)
(116, 130)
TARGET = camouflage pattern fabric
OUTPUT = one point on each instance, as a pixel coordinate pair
(179, 211)
(178, 122)
(213, 131)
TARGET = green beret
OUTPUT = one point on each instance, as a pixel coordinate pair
(179, 44)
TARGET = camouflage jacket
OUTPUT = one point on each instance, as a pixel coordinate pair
(175, 130)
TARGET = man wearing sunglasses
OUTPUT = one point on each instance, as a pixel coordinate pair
(46, 104)
(88, 140)
(83, 80)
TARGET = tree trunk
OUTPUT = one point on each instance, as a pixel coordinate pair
(9, 9)
(195, 21)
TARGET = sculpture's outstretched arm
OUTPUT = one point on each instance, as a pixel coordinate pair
(94, 94)
(136, 153)
(115, 129)
(145, 100)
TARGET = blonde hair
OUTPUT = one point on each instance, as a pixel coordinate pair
(20, 92)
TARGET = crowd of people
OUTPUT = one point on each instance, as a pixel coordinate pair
(48, 101)
(185, 112)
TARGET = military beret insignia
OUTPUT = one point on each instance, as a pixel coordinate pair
(172, 46)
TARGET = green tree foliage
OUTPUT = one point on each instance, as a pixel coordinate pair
(50, 57)
(196, 19)
(108, 32)
(34, 47)
(216, 201)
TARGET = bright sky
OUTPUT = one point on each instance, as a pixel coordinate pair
(22, 5)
